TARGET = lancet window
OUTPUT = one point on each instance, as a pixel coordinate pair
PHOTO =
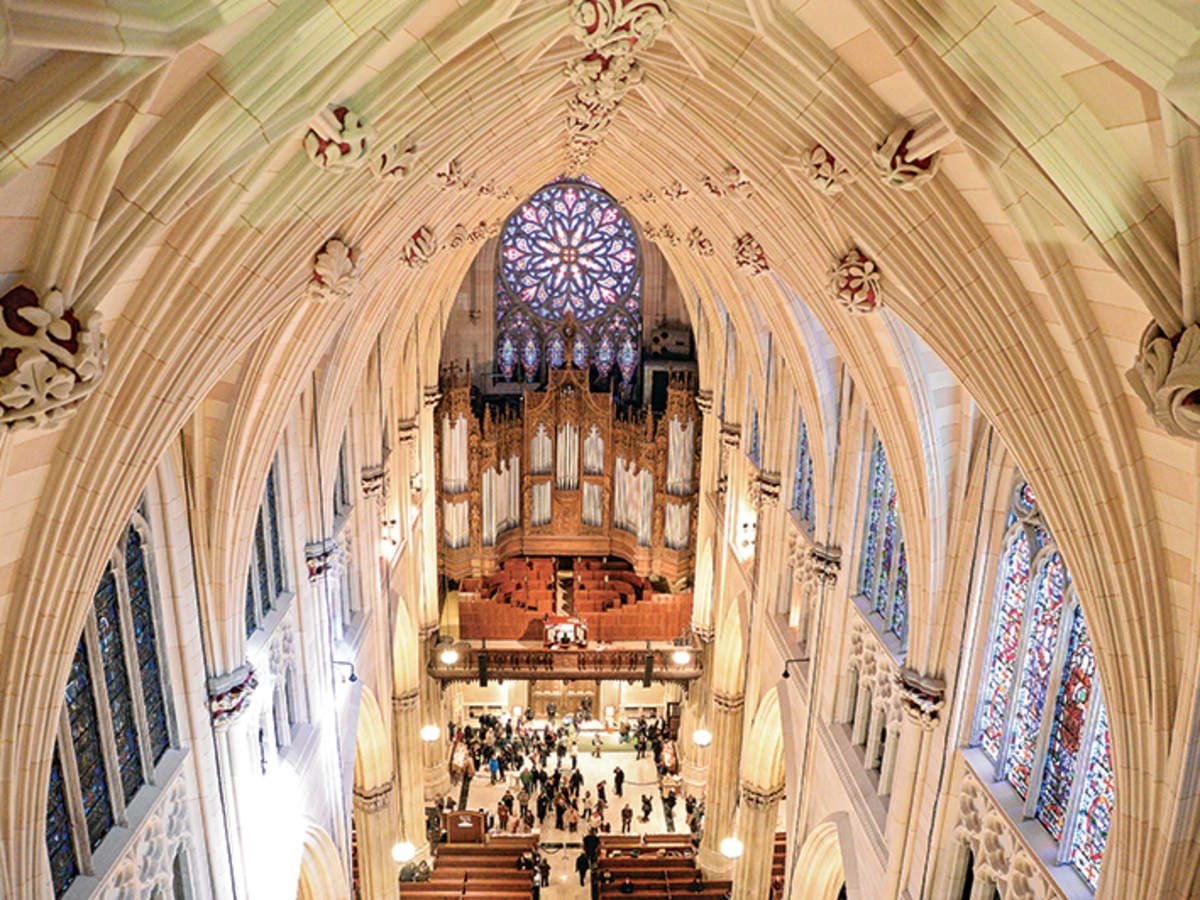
(266, 579)
(1040, 718)
(883, 578)
(802, 486)
(568, 284)
(116, 722)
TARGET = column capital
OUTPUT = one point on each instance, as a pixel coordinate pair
(704, 402)
(703, 633)
(768, 486)
(229, 695)
(921, 697)
(730, 703)
(321, 555)
(758, 798)
(406, 701)
(372, 799)
(431, 395)
(406, 430)
(374, 482)
(826, 561)
(731, 434)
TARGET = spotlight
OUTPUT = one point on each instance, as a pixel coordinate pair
(681, 657)
(731, 848)
(404, 851)
(787, 674)
(449, 656)
(429, 733)
(353, 675)
(702, 737)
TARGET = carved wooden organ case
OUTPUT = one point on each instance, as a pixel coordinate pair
(568, 476)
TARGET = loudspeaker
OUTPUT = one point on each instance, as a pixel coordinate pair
(648, 671)
(483, 661)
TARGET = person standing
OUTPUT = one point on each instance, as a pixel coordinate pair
(626, 818)
(619, 781)
(591, 846)
(581, 867)
(602, 792)
(647, 807)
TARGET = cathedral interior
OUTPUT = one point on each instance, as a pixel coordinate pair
(733, 449)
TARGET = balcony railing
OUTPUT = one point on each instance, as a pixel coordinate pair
(569, 665)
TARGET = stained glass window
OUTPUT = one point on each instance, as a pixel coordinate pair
(1066, 730)
(802, 489)
(266, 578)
(1095, 815)
(60, 840)
(89, 758)
(146, 640)
(116, 679)
(884, 580)
(568, 283)
(1004, 643)
(1044, 615)
(755, 448)
(1040, 678)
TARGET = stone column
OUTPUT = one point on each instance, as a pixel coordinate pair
(694, 757)
(725, 716)
(406, 715)
(228, 697)
(375, 824)
(756, 822)
(427, 484)
(920, 699)
(435, 754)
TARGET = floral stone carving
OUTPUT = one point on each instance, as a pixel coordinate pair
(1166, 375)
(749, 254)
(419, 248)
(395, 162)
(334, 273)
(338, 139)
(52, 357)
(823, 172)
(857, 283)
(897, 168)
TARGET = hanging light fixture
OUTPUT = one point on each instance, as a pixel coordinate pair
(701, 737)
(403, 852)
(681, 657)
(429, 733)
(448, 656)
(732, 848)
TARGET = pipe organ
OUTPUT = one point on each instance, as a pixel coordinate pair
(565, 474)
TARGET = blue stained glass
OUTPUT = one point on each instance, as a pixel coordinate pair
(1043, 621)
(755, 450)
(605, 354)
(1005, 642)
(899, 623)
(556, 350)
(260, 566)
(1066, 732)
(568, 254)
(879, 477)
(60, 841)
(507, 355)
(882, 587)
(529, 357)
(1095, 805)
(273, 524)
(802, 491)
(251, 613)
(116, 679)
(627, 360)
(85, 738)
(146, 640)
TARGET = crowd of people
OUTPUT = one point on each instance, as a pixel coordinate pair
(543, 783)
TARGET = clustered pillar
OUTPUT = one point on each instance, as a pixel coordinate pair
(757, 817)
(721, 799)
(375, 825)
(406, 711)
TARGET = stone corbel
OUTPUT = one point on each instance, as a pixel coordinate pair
(374, 482)
(908, 157)
(53, 357)
(1166, 375)
(728, 703)
(406, 431)
(432, 396)
(921, 697)
(407, 701)
(768, 486)
(373, 799)
(826, 562)
(760, 798)
(229, 695)
(704, 402)
(321, 557)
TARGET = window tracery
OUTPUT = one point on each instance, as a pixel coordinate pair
(568, 284)
(1040, 716)
(266, 580)
(884, 572)
(802, 486)
(116, 721)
